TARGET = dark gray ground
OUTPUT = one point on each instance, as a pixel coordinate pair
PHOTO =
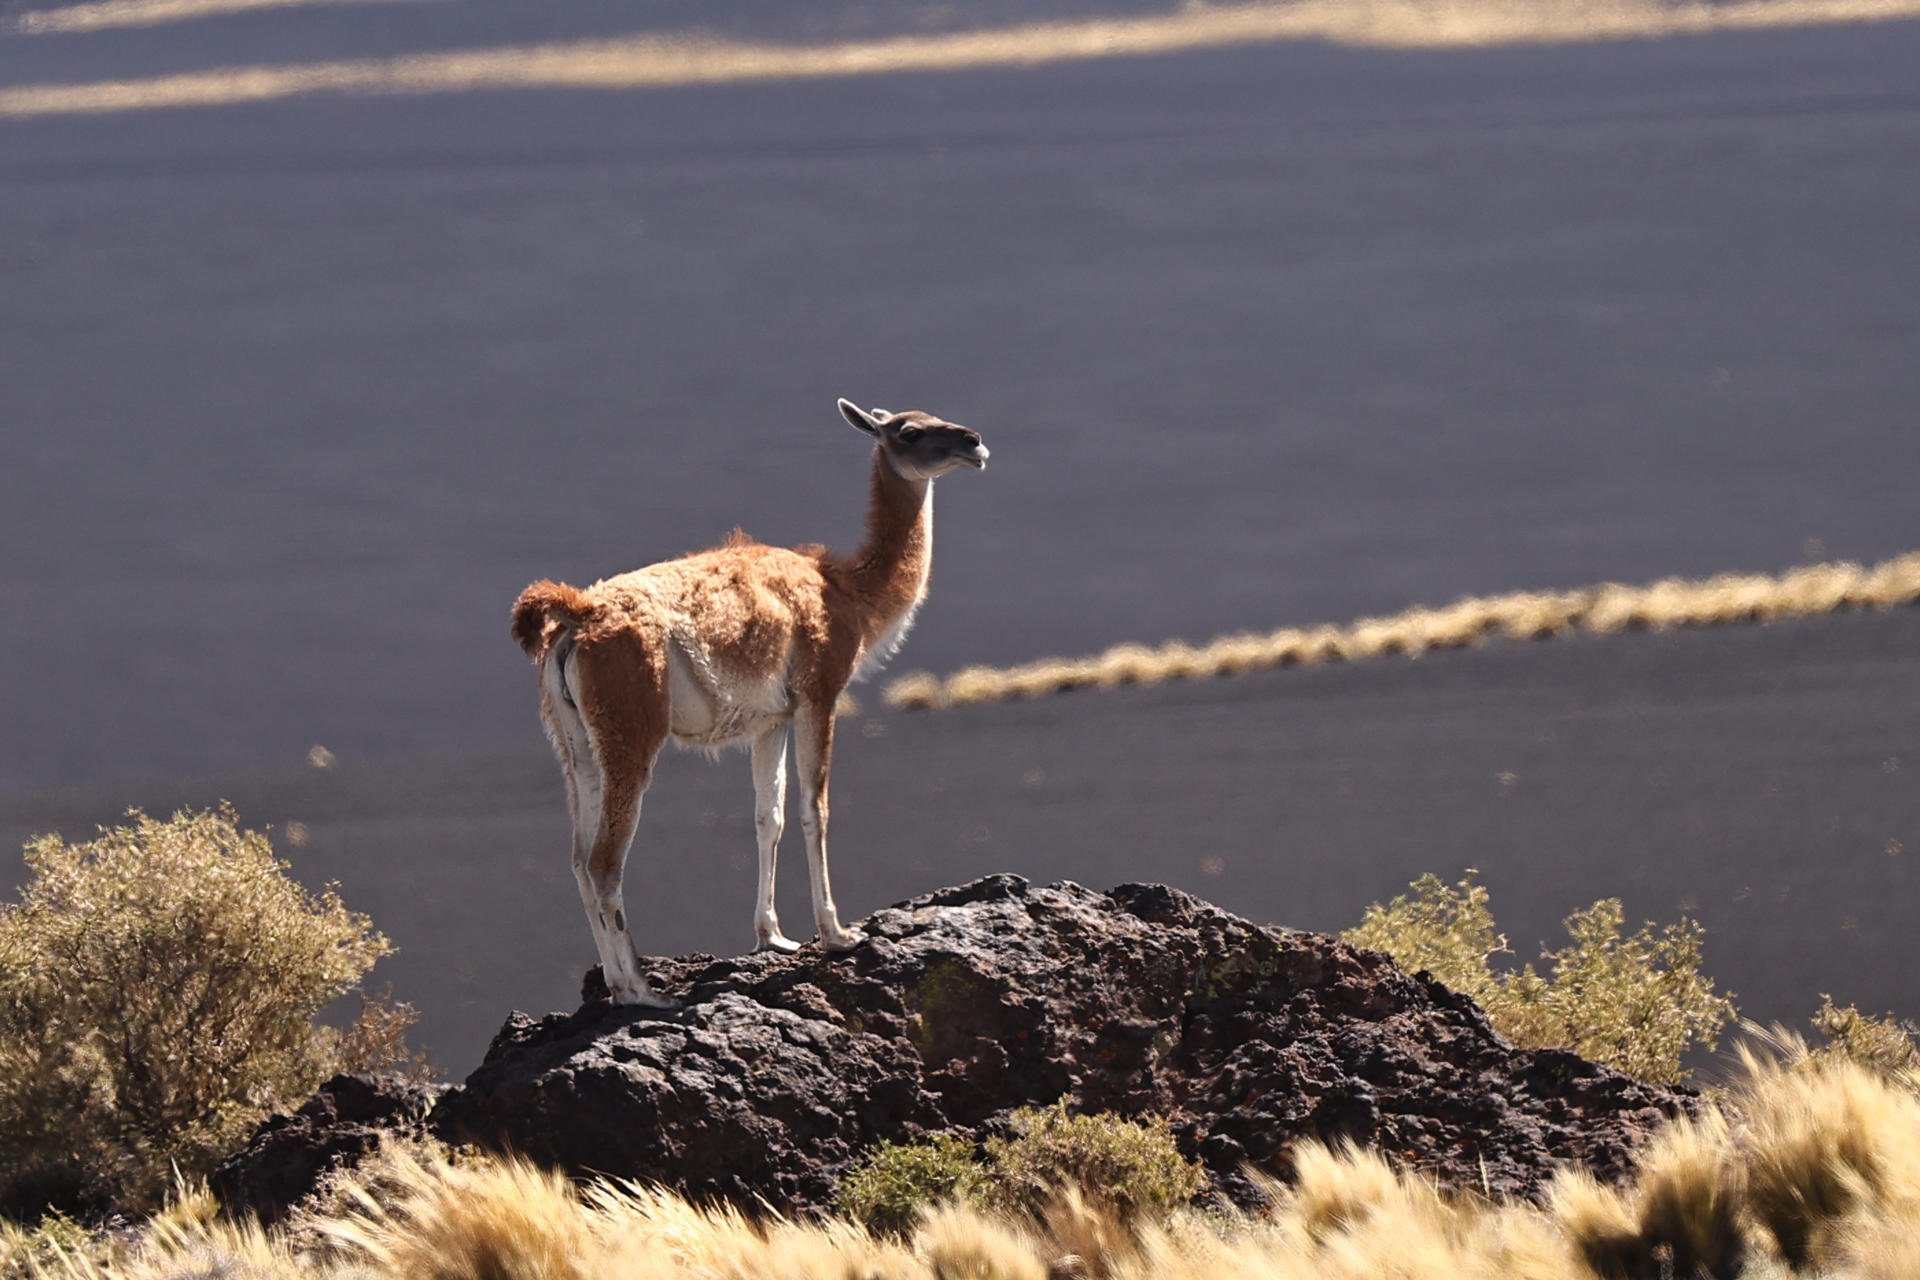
(295, 397)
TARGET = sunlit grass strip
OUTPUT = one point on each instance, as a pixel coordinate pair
(105, 15)
(689, 58)
(1604, 609)
(1809, 1167)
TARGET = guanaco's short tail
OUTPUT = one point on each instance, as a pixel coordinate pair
(543, 611)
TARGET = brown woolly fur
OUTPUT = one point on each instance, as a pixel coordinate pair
(1604, 609)
(543, 609)
(731, 646)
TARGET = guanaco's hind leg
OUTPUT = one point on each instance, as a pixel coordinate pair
(813, 761)
(769, 821)
(621, 725)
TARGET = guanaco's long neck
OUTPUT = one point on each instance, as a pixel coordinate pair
(889, 571)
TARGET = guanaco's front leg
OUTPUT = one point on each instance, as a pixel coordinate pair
(813, 759)
(769, 821)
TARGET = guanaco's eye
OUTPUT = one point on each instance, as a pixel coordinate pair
(909, 434)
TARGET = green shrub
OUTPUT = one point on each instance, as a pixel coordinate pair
(1883, 1045)
(1130, 1166)
(157, 992)
(897, 1180)
(1126, 1167)
(1636, 1003)
(1443, 930)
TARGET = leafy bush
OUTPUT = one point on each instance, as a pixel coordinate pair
(1132, 1166)
(157, 992)
(1126, 1167)
(1884, 1045)
(1636, 1003)
(1443, 930)
(376, 1040)
(889, 1189)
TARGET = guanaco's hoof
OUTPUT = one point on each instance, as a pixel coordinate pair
(645, 999)
(779, 943)
(845, 940)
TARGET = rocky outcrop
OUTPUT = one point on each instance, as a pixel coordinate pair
(289, 1154)
(968, 1003)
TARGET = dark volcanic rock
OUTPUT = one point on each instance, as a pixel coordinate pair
(289, 1154)
(975, 1000)
(714, 1099)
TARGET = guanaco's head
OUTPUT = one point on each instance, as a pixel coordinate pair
(918, 445)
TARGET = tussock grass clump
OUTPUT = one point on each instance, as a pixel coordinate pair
(1682, 1212)
(1635, 1003)
(1826, 1144)
(369, 1187)
(1527, 615)
(158, 986)
(1343, 1189)
(433, 1219)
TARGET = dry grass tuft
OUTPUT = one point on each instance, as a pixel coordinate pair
(440, 1221)
(1825, 1143)
(1340, 1190)
(1595, 1220)
(1604, 609)
(961, 1244)
(1681, 1216)
(1686, 1198)
(1880, 1249)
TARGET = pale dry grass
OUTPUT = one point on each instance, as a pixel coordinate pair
(1610, 607)
(1830, 1153)
(692, 58)
(106, 15)
(1809, 1167)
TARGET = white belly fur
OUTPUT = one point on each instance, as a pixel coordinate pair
(709, 713)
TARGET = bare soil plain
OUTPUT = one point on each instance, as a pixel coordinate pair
(297, 394)
(1759, 779)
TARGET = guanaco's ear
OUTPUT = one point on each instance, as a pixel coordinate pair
(867, 422)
